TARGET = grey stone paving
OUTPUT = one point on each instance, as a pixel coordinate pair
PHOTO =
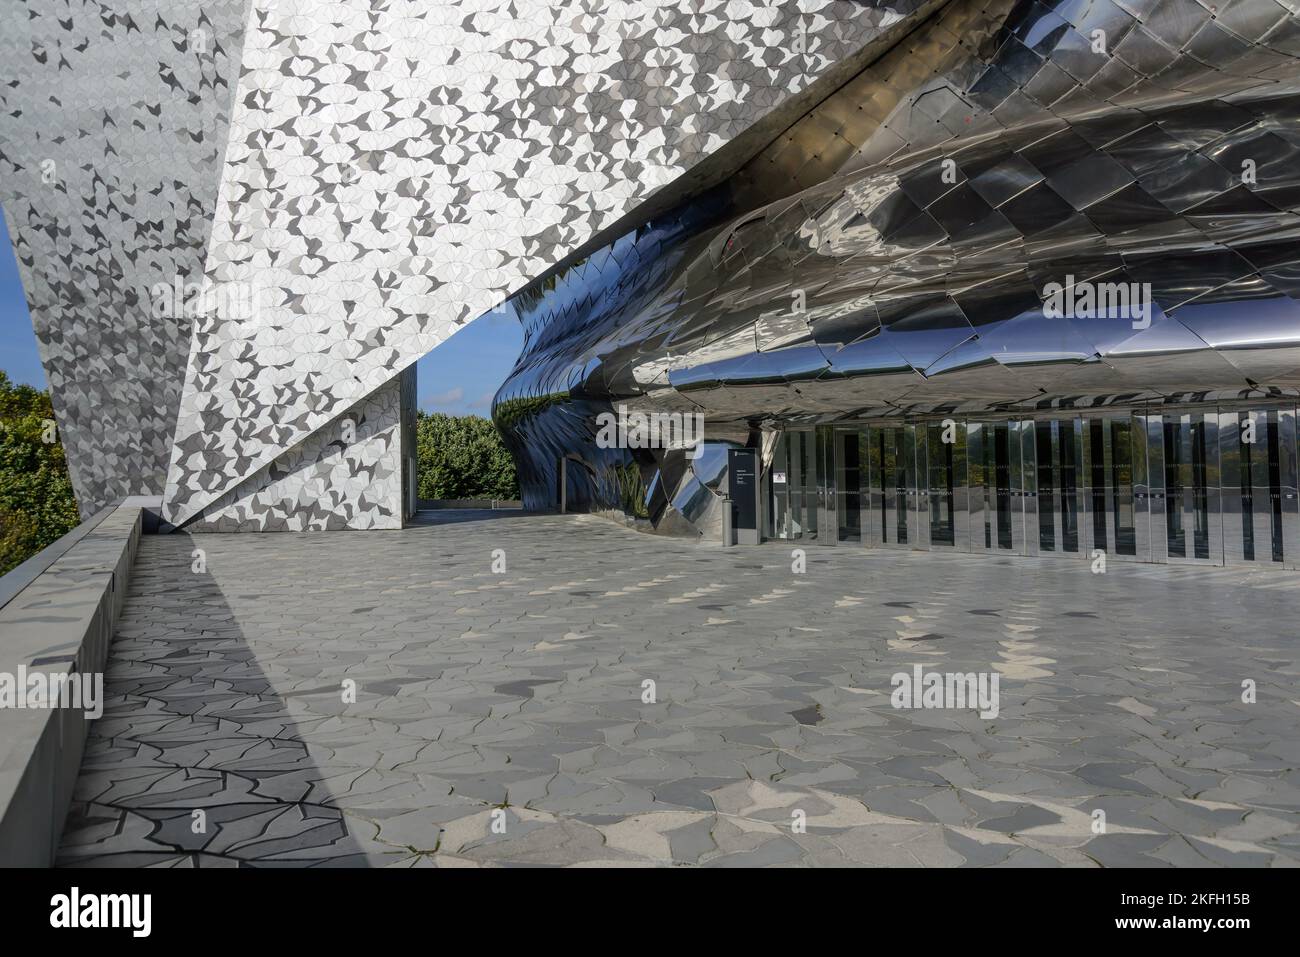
(515, 700)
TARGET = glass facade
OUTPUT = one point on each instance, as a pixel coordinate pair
(1152, 484)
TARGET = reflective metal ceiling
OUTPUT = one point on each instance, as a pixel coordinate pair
(892, 251)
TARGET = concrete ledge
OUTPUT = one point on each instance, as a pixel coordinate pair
(431, 503)
(16, 579)
(61, 621)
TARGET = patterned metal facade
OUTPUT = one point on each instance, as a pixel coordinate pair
(113, 123)
(240, 223)
(348, 183)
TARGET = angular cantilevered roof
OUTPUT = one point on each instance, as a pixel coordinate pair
(395, 170)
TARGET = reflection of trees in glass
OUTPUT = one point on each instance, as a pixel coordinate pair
(632, 489)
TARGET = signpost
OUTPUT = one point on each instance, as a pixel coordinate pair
(742, 479)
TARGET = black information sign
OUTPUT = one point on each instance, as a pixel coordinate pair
(742, 469)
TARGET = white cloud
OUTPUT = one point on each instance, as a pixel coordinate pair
(439, 401)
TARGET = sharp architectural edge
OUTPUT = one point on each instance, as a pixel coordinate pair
(394, 172)
(113, 121)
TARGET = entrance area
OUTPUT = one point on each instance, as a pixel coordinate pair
(1204, 484)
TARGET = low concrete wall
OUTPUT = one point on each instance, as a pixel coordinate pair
(428, 503)
(62, 620)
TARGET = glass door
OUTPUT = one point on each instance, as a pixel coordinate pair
(1058, 446)
(1190, 462)
(948, 519)
(1045, 447)
(993, 451)
(850, 451)
(892, 464)
(794, 500)
(777, 518)
(1115, 473)
(1257, 450)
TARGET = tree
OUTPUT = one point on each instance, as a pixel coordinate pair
(462, 457)
(36, 501)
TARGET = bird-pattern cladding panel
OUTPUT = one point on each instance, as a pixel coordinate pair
(345, 475)
(395, 169)
(113, 117)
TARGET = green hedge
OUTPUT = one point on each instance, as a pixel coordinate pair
(460, 457)
(463, 457)
(36, 501)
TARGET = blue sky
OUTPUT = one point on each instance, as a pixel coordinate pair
(459, 377)
(18, 355)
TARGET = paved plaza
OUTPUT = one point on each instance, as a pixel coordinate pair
(499, 717)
